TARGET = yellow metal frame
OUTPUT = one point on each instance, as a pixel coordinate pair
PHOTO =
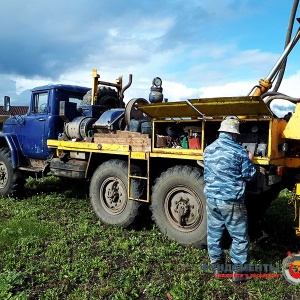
(274, 156)
(139, 156)
(208, 107)
(297, 207)
(292, 128)
(96, 82)
(92, 147)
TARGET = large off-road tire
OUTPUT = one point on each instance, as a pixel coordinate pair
(109, 101)
(178, 205)
(108, 193)
(105, 96)
(11, 181)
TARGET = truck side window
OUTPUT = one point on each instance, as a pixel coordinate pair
(40, 103)
(76, 100)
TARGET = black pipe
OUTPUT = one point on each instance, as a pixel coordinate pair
(287, 41)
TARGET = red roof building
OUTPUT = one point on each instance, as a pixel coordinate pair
(14, 110)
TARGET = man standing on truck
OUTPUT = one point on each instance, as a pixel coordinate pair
(227, 168)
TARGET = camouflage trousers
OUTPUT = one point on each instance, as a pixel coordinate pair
(233, 216)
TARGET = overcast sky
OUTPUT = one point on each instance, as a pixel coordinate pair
(199, 48)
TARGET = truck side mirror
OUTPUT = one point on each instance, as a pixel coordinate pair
(6, 103)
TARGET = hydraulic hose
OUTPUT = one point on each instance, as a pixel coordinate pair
(287, 41)
(275, 95)
(282, 97)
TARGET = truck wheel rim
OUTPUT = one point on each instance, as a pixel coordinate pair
(183, 209)
(113, 195)
(3, 175)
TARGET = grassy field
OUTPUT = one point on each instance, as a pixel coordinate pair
(53, 247)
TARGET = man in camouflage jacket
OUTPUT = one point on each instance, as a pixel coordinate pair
(227, 168)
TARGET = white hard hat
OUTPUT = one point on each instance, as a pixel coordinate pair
(230, 125)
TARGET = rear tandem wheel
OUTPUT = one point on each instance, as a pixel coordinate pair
(178, 205)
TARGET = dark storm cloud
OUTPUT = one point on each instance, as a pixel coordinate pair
(47, 38)
(43, 37)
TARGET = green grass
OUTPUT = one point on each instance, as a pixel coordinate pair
(53, 247)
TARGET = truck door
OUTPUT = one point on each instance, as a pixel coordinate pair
(33, 136)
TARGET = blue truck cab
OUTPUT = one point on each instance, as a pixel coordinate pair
(42, 122)
(23, 141)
